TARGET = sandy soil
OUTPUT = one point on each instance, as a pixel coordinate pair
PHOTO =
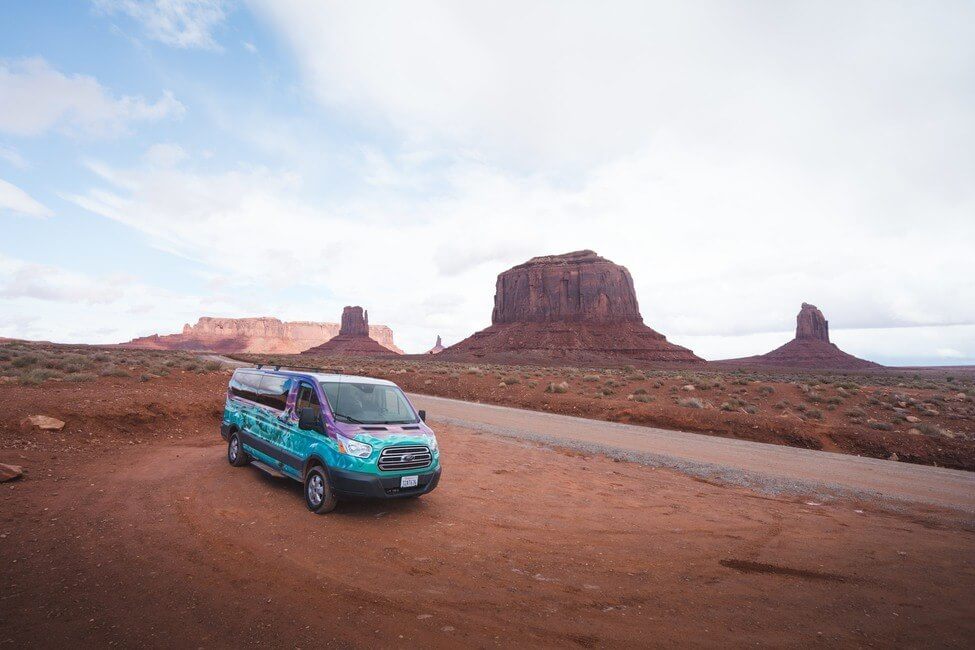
(130, 528)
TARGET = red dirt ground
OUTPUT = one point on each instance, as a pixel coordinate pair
(130, 528)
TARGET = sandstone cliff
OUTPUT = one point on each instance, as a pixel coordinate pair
(577, 306)
(263, 335)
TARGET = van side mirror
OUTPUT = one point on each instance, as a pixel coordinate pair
(310, 420)
(423, 415)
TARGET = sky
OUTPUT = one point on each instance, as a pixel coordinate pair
(162, 160)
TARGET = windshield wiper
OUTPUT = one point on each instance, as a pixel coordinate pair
(352, 420)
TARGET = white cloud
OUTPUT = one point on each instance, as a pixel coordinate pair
(698, 273)
(178, 23)
(16, 200)
(44, 282)
(35, 98)
(49, 302)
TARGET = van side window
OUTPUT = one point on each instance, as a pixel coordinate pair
(307, 398)
(274, 391)
(246, 385)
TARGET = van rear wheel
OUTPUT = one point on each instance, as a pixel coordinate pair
(318, 493)
(236, 455)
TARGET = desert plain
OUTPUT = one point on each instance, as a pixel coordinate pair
(128, 527)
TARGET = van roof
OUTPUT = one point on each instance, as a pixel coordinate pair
(323, 376)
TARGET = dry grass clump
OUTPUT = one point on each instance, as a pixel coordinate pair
(562, 387)
(692, 403)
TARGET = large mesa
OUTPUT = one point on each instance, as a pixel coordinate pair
(577, 306)
(263, 335)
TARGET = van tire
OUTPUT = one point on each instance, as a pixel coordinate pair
(318, 493)
(236, 455)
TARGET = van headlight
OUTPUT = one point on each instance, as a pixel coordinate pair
(433, 443)
(353, 447)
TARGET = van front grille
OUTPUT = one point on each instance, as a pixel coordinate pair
(394, 459)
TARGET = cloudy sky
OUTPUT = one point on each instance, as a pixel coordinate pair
(166, 159)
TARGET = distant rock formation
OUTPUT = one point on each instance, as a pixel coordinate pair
(355, 322)
(437, 347)
(264, 335)
(577, 306)
(353, 338)
(811, 325)
(810, 348)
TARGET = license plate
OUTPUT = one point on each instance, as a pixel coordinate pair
(409, 481)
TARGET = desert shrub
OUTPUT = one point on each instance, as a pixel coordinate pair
(834, 400)
(533, 384)
(780, 405)
(608, 391)
(801, 408)
(114, 371)
(643, 398)
(212, 366)
(691, 403)
(26, 360)
(591, 378)
(726, 406)
(815, 414)
(557, 388)
(640, 391)
(635, 376)
(814, 397)
(929, 429)
(765, 390)
(79, 376)
(40, 375)
(856, 413)
(881, 426)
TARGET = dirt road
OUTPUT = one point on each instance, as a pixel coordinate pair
(771, 468)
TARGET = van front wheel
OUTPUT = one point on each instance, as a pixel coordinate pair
(236, 455)
(318, 493)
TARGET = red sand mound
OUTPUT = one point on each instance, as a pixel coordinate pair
(810, 348)
(262, 335)
(577, 306)
(353, 338)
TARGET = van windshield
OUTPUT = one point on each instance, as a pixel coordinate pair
(368, 403)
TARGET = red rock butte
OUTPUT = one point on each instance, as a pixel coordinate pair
(810, 348)
(437, 347)
(353, 338)
(575, 307)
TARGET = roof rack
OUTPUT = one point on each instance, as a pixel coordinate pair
(278, 366)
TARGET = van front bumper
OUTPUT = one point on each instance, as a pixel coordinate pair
(355, 485)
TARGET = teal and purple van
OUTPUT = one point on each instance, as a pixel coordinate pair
(343, 437)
